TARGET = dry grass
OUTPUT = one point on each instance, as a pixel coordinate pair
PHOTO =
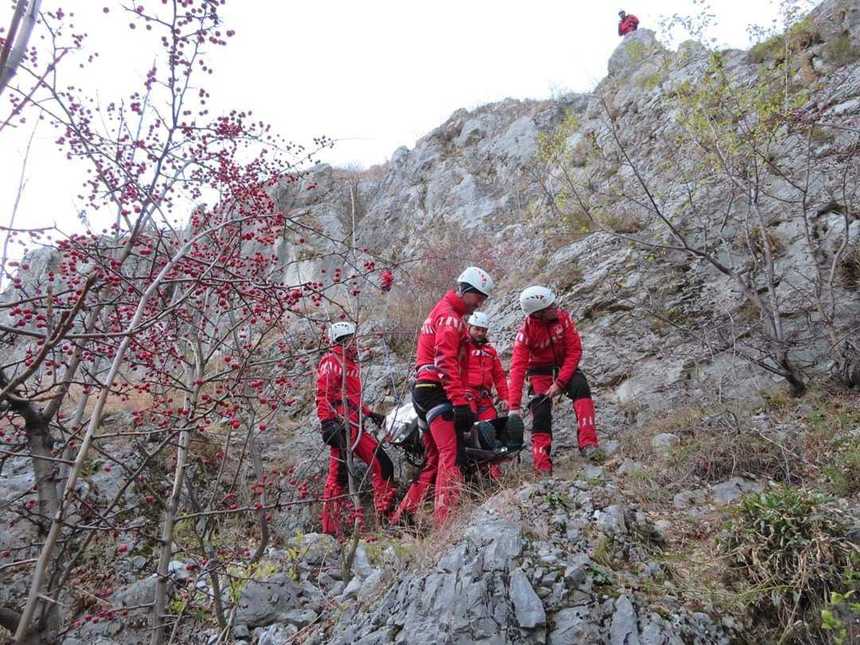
(849, 267)
(715, 445)
(427, 544)
(695, 569)
(624, 223)
(754, 243)
(133, 401)
(637, 444)
(405, 313)
(789, 547)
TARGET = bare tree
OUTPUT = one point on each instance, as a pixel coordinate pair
(753, 168)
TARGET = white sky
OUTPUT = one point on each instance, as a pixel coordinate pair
(374, 75)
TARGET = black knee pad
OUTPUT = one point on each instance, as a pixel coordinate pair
(578, 388)
(385, 464)
(541, 408)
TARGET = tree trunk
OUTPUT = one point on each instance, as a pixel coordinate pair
(160, 605)
(40, 443)
(792, 376)
(257, 463)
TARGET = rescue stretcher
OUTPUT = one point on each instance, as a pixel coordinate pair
(487, 442)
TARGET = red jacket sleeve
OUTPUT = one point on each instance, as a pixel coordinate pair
(572, 354)
(499, 378)
(328, 388)
(449, 338)
(517, 374)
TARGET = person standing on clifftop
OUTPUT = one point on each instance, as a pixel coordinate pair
(628, 23)
(547, 350)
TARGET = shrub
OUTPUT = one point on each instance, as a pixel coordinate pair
(769, 49)
(791, 547)
(754, 243)
(841, 51)
(576, 221)
(849, 267)
(619, 222)
(651, 81)
(841, 615)
(404, 316)
(715, 457)
(450, 249)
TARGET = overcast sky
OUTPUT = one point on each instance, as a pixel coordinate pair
(374, 75)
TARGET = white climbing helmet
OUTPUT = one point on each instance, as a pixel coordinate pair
(479, 319)
(339, 330)
(477, 279)
(535, 298)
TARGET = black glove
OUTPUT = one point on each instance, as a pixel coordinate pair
(377, 418)
(332, 433)
(463, 418)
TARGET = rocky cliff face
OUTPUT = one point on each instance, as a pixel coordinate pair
(649, 317)
(482, 170)
(573, 558)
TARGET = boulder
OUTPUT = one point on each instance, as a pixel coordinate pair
(733, 489)
(275, 600)
(624, 629)
(528, 607)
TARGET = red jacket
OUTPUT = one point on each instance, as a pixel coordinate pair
(484, 369)
(442, 346)
(330, 384)
(539, 344)
(630, 23)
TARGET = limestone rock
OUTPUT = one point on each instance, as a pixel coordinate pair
(664, 442)
(275, 600)
(528, 607)
(732, 489)
(624, 630)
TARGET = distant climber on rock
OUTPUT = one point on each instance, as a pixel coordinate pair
(439, 395)
(386, 279)
(338, 400)
(547, 350)
(628, 23)
(483, 371)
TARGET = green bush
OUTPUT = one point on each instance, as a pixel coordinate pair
(841, 615)
(790, 546)
(841, 51)
(769, 49)
(651, 81)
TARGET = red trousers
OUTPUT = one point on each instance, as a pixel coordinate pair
(336, 505)
(583, 408)
(440, 473)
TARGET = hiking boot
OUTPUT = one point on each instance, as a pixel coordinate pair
(593, 454)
